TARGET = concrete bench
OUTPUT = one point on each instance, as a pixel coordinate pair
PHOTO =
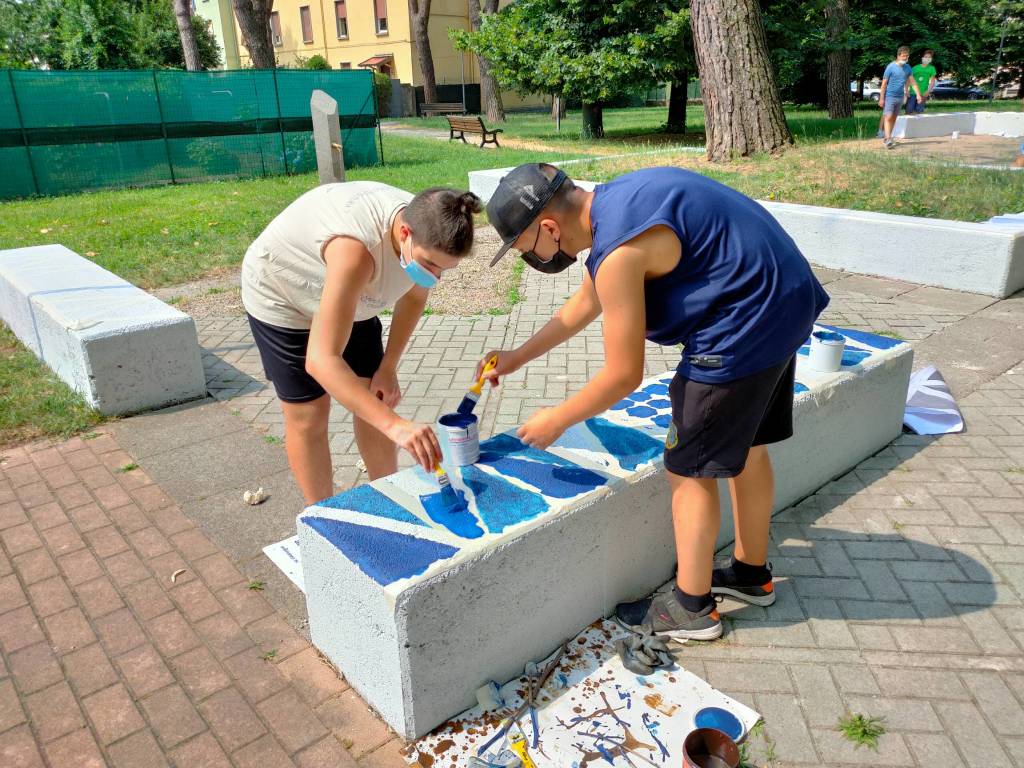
(1007, 124)
(120, 348)
(958, 255)
(418, 612)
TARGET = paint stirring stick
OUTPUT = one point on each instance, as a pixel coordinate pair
(448, 495)
(473, 395)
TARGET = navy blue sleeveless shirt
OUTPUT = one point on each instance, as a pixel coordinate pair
(742, 298)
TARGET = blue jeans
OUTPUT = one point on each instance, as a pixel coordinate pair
(914, 107)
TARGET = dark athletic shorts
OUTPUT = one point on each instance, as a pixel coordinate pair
(715, 425)
(283, 352)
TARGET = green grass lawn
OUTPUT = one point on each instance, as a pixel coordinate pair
(33, 401)
(642, 125)
(167, 235)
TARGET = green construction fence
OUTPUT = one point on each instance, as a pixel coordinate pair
(63, 132)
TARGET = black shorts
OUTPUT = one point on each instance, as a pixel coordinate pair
(283, 352)
(715, 425)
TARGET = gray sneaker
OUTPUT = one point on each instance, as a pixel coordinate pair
(665, 615)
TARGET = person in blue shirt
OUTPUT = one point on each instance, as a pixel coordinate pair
(896, 85)
(675, 258)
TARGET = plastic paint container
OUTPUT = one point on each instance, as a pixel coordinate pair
(709, 748)
(826, 351)
(722, 719)
(460, 438)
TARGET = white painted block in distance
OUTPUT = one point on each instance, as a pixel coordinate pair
(1008, 124)
(958, 255)
(119, 347)
(418, 607)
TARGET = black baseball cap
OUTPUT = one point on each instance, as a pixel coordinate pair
(520, 197)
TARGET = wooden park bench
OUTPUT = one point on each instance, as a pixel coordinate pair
(429, 108)
(472, 125)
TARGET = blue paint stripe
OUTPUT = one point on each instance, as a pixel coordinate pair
(499, 503)
(630, 447)
(370, 501)
(384, 556)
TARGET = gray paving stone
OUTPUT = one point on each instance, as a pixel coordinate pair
(819, 697)
(899, 714)
(933, 749)
(996, 701)
(924, 683)
(855, 679)
(748, 676)
(784, 723)
(972, 735)
(835, 749)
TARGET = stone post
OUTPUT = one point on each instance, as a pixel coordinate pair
(330, 161)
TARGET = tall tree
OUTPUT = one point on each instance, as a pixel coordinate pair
(742, 108)
(589, 51)
(254, 21)
(677, 101)
(189, 45)
(490, 94)
(420, 10)
(837, 27)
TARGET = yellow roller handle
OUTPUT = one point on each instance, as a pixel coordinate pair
(488, 367)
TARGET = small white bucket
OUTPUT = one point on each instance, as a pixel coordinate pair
(460, 438)
(826, 351)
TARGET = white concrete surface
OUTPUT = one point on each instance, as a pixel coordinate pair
(1008, 124)
(959, 255)
(120, 348)
(417, 611)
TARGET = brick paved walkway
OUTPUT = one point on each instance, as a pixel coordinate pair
(900, 584)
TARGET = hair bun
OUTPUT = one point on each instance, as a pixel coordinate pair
(469, 203)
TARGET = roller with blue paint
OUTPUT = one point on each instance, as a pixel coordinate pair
(473, 395)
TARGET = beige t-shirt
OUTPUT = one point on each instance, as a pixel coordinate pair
(283, 271)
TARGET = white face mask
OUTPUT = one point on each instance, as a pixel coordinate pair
(926, 60)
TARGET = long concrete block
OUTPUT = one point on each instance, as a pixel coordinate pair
(418, 607)
(119, 347)
(966, 123)
(958, 255)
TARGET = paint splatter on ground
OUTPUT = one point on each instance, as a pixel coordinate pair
(592, 712)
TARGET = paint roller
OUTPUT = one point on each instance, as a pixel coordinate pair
(473, 395)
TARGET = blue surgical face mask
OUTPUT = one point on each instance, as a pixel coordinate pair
(419, 274)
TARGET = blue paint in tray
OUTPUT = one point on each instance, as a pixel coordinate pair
(384, 556)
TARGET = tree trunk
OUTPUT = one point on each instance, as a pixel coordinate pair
(742, 107)
(837, 24)
(677, 102)
(593, 121)
(490, 94)
(189, 46)
(254, 21)
(860, 89)
(557, 106)
(420, 10)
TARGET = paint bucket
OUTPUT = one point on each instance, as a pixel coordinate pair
(709, 748)
(460, 439)
(826, 351)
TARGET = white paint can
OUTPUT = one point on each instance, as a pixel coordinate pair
(826, 351)
(460, 438)
(955, 135)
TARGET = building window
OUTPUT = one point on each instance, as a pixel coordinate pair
(381, 12)
(341, 19)
(275, 28)
(345, 65)
(307, 24)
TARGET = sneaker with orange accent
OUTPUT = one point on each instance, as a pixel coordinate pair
(665, 615)
(726, 583)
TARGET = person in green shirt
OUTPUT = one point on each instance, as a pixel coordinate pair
(924, 74)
